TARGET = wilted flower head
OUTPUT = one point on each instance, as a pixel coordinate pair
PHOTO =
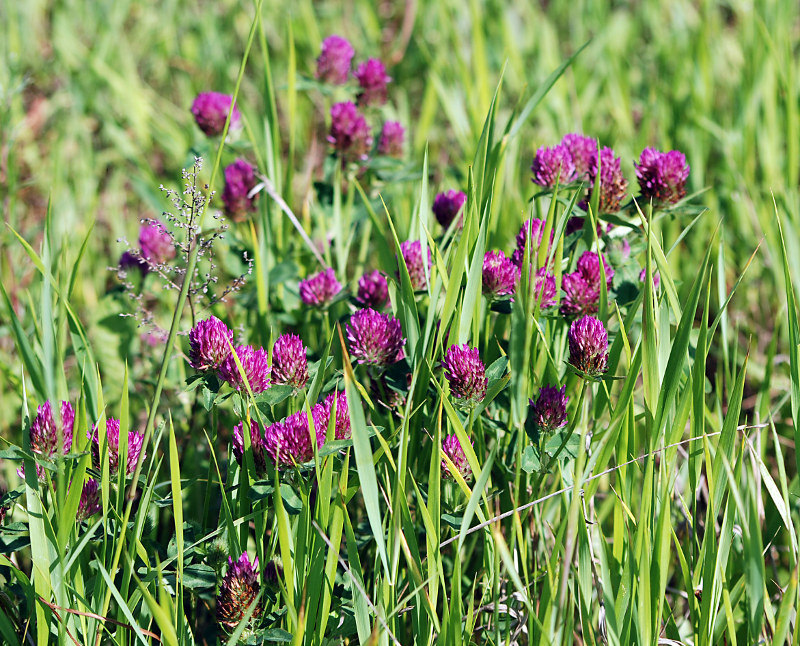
(662, 176)
(452, 449)
(372, 79)
(656, 277)
(349, 133)
(238, 590)
(209, 344)
(240, 179)
(89, 504)
(373, 290)
(44, 432)
(255, 364)
(583, 151)
(551, 164)
(135, 448)
(333, 64)
(289, 362)
(375, 338)
(500, 275)
(589, 267)
(320, 289)
(613, 184)
(447, 205)
(321, 415)
(412, 254)
(466, 374)
(257, 445)
(588, 346)
(550, 408)
(580, 296)
(391, 141)
(156, 243)
(210, 110)
(288, 442)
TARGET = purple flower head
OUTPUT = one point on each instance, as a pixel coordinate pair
(550, 408)
(89, 504)
(321, 415)
(589, 268)
(349, 133)
(551, 164)
(130, 261)
(272, 573)
(289, 362)
(256, 444)
(240, 179)
(255, 364)
(466, 374)
(588, 346)
(452, 449)
(412, 254)
(391, 141)
(372, 79)
(500, 275)
(580, 296)
(320, 289)
(135, 447)
(209, 344)
(613, 185)
(446, 207)
(583, 151)
(374, 338)
(156, 243)
(238, 590)
(656, 277)
(333, 64)
(373, 290)
(576, 222)
(534, 229)
(545, 288)
(210, 110)
(662, 176)
(44, 432)
(288, 442)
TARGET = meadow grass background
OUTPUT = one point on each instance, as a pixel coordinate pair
(95, 116)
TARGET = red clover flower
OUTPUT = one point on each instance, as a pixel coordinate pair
(551, 164)
(372, 80)
(333, 64)
(156, 243)
(210, 110)
(550, 408)
(255, 364)
(391, 140)
(452, 449)
(588, 346)
(613, 184)
(373, 290)
(446, 207)
(89, 504)
(288, 442)
(412, 254)
(257, 445)
(321, 416)
(238, 590)
(374, 338)
(320, 289)
(289, 362)
(500, 275)
(209, 344)
(135, 447)
(662, 176)
(240, 179)
(349, 134)
(583, 151)
(466, 374)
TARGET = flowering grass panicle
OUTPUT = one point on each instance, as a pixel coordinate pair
(391, 140)
(500, 275)
(349, 134)
(135, 447)
(466, 375)
(156, 244)
(209, 344)
(662, 176)
(613, 185)
(412, 255)
(289, 361)
(89, 504)
(257, 445)
(452, 449)
(255, 364)
(237, 592)
(321, 415)
(447, 205)
(320, 289)
(588, 346)
(372, 81)
(551, 165)
(333, 63)
(374, 338)
(373, 290)
(210, 110)
(240, 179)
(550, 408)
(288, 442)
(583, 151)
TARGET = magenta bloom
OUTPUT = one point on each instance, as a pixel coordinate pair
(333, 64)
(288, 442)
(209, 344)
(135, 448)
(321, 415)
(240, 179)
(373, 290)
(545, 288)
(256, 367)
(534, 229)
(500, 275)
(656, 277)
(238, 590)
(580, 296)
(613, 185)
(551, 164)
(89, 504)
(466, 374)
(452, 449)
(583, 151)
(156, 243)
(349, 134)
(550, 408)
(412, 254)
(289, 362)
(391, 141)
(662, 176)
(256, 444)
(588, 346)
(372, 79)
(446, 207)
(44, 432)
(320, 289)
(374, 338)
(210, 110)
(589, 268)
